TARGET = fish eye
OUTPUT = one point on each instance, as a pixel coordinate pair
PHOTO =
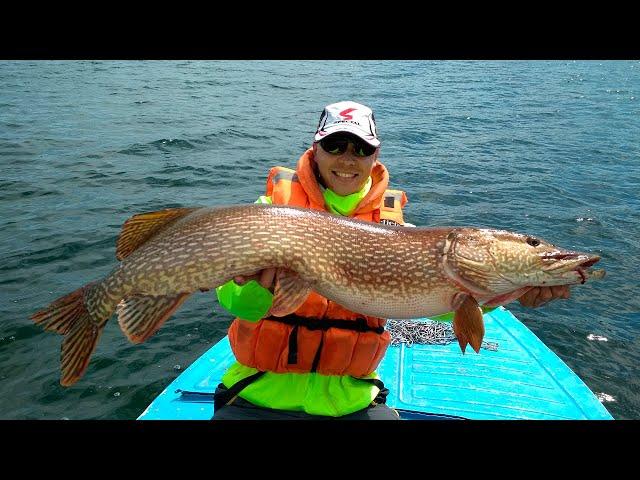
(534, 242)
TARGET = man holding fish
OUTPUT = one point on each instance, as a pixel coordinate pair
(340, 173)
(312, 274)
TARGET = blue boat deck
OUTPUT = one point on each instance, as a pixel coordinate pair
(522, 380)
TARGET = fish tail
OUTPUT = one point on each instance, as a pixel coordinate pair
(72, 316)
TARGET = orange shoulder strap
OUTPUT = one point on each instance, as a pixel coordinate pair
(391, 207)
(284, 188)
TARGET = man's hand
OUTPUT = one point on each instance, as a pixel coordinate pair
(541, 295)
(264, 277)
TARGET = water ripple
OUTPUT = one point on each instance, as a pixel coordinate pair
(544, 147)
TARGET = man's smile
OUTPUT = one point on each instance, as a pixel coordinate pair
(346, 175)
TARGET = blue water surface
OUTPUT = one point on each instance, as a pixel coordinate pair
(549, 148)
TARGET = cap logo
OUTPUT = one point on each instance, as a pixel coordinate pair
(357, 120)
(345, 113)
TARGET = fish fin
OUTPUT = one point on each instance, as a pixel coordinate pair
(77, 347)
(458, 299)
(140, 316)
(290, 292)
(468, 325)
(140, 228)
(506, 298)
(69, 316)
(62, 313)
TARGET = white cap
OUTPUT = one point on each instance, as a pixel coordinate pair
(348, 117)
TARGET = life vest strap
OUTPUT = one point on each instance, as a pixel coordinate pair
(293, 346)
(221, 398)
(312, 323)
(382, 394)
(316, 358)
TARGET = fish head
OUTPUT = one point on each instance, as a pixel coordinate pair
(488, 262)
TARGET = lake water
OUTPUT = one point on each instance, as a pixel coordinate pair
(550, 148)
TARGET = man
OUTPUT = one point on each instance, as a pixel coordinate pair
(319, 362)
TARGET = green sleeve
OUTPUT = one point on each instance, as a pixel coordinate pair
(447, 317)
(250, 301)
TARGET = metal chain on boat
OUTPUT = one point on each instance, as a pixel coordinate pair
(427, 332)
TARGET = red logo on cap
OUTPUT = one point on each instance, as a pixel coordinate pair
(345, 113)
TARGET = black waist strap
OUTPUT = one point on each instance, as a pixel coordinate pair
(221, 398)
(312, 323)
(375, 381)
(222, 395)
(324, 324)
(382, 394)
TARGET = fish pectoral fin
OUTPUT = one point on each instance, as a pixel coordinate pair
(140, 228)
(290, 292)
(468, 325)
(140, 316)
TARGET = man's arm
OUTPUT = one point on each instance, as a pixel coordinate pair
(249, 297)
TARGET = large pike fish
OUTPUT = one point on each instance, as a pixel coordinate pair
(377, 270)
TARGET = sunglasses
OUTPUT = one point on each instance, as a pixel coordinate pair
(337, 145)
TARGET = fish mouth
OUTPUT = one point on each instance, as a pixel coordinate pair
(563, 262)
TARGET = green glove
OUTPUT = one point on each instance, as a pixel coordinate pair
(448, 317)
(250, 301)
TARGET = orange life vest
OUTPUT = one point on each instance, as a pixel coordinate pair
(321, 336)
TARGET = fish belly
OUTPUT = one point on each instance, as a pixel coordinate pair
(389, 304)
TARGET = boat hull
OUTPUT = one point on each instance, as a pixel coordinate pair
(521, 380)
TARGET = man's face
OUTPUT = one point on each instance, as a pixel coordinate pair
(345, 171)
